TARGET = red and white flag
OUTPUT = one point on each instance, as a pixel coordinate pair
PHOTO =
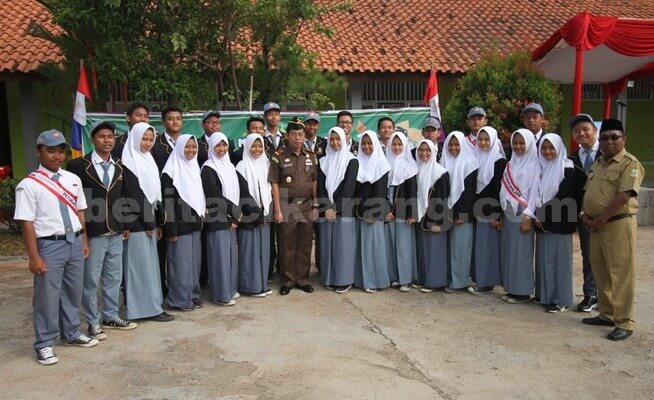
(431, 96)
(79, 114)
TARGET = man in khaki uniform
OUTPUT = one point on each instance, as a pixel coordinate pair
(608, 212)
(293, 172)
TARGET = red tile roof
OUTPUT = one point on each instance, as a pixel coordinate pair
(375, 35)
(19, 50)
(410, 35)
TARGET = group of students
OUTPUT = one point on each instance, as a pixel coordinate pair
(389, 214)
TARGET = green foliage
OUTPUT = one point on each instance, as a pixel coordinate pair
(503, 86)
(8, 203)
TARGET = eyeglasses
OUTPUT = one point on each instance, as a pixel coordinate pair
(613, 138)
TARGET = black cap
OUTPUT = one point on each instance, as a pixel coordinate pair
(612, 125)
(102, 125)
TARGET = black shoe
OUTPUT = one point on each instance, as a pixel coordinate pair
(619, 334)
(276, 273)
(597, 321)
(284, 290)
(197, 303)
(163, 317)
(587, 304)
(306, 288)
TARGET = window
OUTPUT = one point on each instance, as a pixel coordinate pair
(391, 94)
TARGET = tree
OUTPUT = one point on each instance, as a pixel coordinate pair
(503, 86)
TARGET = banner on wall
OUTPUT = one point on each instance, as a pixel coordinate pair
(233, 122)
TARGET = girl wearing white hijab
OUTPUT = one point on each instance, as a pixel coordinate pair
(461, 163)
(433, 216)
(254, 230)
(519, 188)
(372, 185)
(399, 229)
(337, 181)
(143, 296)
(185, 207)
(486, 258)
(222, 191)
(555, 224)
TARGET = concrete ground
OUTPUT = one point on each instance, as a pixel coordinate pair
(388, 345)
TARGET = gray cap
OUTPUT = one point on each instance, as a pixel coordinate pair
(579, 118)
(312, 116)
(271, 106)
(102, 125)
(51, 138)
(533, 107)
(431, 122)
(476, 111)
(210, 113)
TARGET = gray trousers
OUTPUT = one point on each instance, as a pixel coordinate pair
(58, 292)
(105, 260)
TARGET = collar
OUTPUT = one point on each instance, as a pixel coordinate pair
(169, 139)
(289, 151)
(48, 172)
(95, 157)
(268, 133)
(206, 137)
(618, 157)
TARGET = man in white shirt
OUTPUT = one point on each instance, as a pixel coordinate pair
(50, 206)
(274, 136)
(476, 120)
(533, 118)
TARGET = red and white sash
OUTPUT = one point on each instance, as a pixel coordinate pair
(473, 142)
(56, 188)
(511, 187)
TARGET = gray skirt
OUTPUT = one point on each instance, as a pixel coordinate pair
(401, 252)
(253, 259)
(143, 296)
(371, 270)
(337, 251)
(486, 258)
(222, 264)
(554, 268)
(183, 262)
(432, 258)
(460, 254)
(517, 259)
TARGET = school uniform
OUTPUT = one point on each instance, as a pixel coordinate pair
(400, 236)
(203, 148)
(103, 183)
(185, 207)
(222, 191)
(253, 229)
(463, 183)
(143, 293)
(273, 144)
(336, 190)
(51, 201)
(433, 190)
(372, 184)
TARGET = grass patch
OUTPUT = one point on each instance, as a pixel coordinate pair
(11, 244)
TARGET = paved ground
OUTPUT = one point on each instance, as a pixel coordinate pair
(387, 345)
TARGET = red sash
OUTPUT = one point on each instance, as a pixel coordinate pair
(511, 187)
(473, 143)
(56, 188)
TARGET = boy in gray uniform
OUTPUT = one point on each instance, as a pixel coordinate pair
(50, 206)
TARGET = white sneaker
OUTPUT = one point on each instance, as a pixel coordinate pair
(370, 290)
(268, 292)
(404, 288)
(395, 284)
(83, 341)
(220, 303)
(426, 290)
(46, 356)
(262, 294)
(416, 285)
(236, 296)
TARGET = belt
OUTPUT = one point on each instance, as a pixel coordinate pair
(618, 217)
(59, 237)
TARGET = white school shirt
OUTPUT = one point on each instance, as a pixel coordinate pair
(593, 152)
(35, 203)
(97, 164)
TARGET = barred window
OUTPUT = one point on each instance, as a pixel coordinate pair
(391, 94)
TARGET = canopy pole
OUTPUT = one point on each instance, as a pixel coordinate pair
(608, 96)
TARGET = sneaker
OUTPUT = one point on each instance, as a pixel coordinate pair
(83, 341)
(404, 288)
(395, 284)
(46, 356)
(268, 292)
(426, 290)
(479, 290)
(197, 303)
(330, 287)
(236, 296)
(342, 289)
(451, 290)
(370, 290)
(262, 294)
(588, 304)
(119, 323)
(554, 308)
(416, 285)
(220, 303)
(95, 331)
(518, 299)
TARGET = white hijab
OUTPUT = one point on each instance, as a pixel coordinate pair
(487, 158)
(522, 172)
(223, 167)
(553, 171)
(403, 166)
(142, 164)
(459, 167)
(373, 167)
(334, 164)
(428, 173)
(255, 171)
(186, 175)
